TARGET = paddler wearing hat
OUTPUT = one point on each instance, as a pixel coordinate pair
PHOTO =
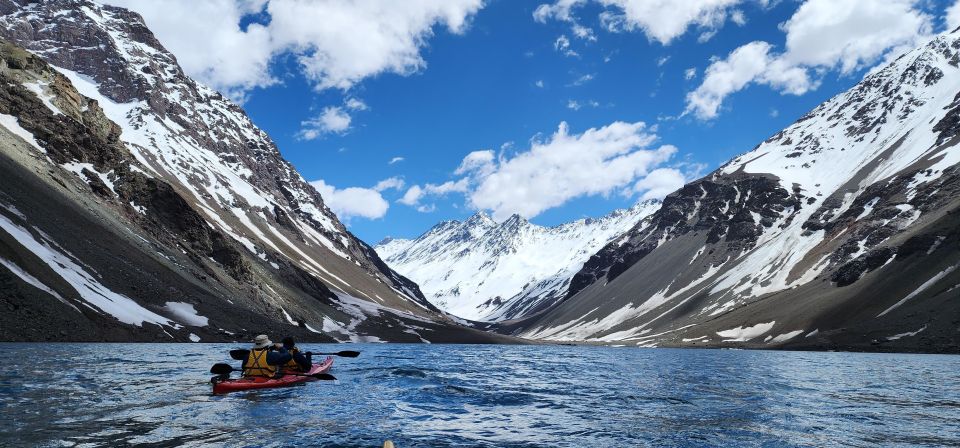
(265, 358)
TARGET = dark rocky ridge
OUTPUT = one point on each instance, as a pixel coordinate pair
(839, 232)
(127, 217)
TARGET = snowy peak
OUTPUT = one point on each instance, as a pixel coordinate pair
(482, 270)
(251, 215)
(825, 230)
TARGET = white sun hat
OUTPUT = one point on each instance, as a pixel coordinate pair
(262, 341)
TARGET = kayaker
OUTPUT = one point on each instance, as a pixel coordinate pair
(265, 359)
(300, 361)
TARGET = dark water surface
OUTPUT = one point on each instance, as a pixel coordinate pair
(458, 395)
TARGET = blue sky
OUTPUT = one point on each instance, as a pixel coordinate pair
(500, 75)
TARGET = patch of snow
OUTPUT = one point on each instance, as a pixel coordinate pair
(194, 337)
(35, 282)
(186, 314)
(741, 334)
(920, 289)
(786, 336)
(907, 334)
(37, 88)
(10, 122)
(90, 290)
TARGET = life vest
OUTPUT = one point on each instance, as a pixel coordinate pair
(291, 365)
(256, 364)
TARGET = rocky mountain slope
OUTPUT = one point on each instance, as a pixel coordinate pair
(140, 205)
(842, 231)
(481, 270)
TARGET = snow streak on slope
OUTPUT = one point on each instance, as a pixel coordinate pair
(482, 270)
(194, 138)
(866, 180)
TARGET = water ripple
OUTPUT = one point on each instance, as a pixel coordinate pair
(485, 396)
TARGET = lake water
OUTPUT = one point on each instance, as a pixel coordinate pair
(461, 395)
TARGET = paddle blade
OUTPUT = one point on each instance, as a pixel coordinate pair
(239, 354)
(324, 376)
(221, 369)
(348, 354)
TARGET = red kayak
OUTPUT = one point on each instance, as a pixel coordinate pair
(233, 385)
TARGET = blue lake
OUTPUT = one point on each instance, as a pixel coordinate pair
(486, 395)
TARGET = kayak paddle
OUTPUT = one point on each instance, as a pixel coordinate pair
(241, 354)
(224, 369)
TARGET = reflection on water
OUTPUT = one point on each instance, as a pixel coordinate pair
(456, 395)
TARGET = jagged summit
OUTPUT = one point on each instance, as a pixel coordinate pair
(838, 232)
(183, 186)
(479, 269)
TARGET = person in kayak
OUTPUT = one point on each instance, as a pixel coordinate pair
(265, 359)
(300, 361)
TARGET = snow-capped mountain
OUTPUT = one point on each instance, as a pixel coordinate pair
(841, 231)
(485, 271)
(174, 209)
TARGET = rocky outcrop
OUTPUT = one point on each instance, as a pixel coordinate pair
(143, 206)
(839, 232)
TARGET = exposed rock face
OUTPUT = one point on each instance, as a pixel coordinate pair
(481, 270)
(138, 199)
(838, 232)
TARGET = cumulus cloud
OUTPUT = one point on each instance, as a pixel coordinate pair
(477, 162)
(390, 183)
(207, 40)
(659, 183)
(620, 158)
(415, 193)
(822, 35)
(336, 43)
(353, 202)
(690, 73)
(333, 120)
(660, 20)
(952, 17)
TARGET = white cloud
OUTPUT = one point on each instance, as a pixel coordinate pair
(690, 73)
(478, 161)
(337, 43)
(390, 183)
(659, 183)
(354, 201)
(662, 60)
(207, 40)
(577, 105)
(952, 16)
(616, 158)
(582, 32)
(566, 166)
(822, 35)
(660, 20)
(355, 104)
(562, 45)
(583, 80)
(539, 83)
(395, 160)
(415, 193)
(737, 16)
(412, 196)
(331, 120)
